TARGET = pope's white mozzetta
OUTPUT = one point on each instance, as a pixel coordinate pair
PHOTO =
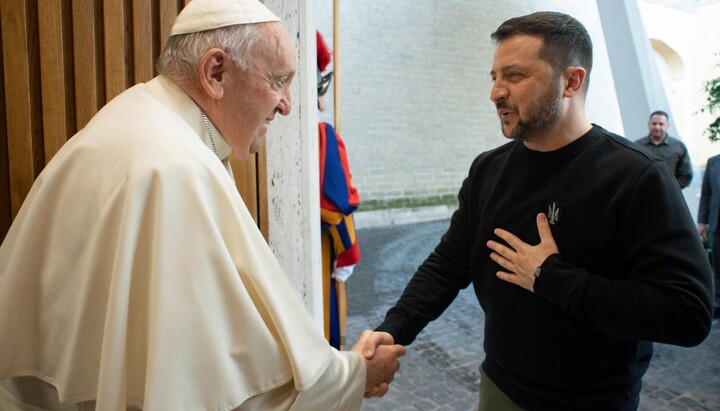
(146, 304)
(134, 277)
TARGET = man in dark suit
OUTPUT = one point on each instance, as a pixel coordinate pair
(708, 220)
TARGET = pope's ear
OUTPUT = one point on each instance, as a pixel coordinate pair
(212, 70)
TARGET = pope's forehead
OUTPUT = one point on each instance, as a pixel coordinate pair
(278, 44)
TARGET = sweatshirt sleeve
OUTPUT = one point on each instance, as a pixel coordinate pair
(437, 281)
(663, 292)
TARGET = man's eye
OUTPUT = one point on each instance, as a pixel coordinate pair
(278, 85)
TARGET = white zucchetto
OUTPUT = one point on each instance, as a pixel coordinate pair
(202, 15)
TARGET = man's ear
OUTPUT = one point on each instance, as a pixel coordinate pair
(574, 80)
(212, 70)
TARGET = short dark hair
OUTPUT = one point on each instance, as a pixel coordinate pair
(566, 42)
(659, 113)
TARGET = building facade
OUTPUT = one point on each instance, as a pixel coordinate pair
(415, 87)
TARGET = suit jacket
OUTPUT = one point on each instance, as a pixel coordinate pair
(710, 197)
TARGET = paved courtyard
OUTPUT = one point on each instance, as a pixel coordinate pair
(440, 370)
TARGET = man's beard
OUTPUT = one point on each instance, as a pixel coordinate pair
(541, 117)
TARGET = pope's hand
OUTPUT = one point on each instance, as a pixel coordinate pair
(381, 361)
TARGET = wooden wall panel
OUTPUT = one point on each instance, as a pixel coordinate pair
(19, 25)
(167, 10)
(261, 179)
(62, 60)
(5, 209)
(116, 57)
(87, 60)
(55, 75)
(244, 172)
(143, 50)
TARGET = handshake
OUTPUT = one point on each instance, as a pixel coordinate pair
(381, 361)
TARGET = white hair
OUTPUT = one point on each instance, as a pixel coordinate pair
(181, 55)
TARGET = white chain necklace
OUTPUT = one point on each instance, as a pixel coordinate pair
(212, 142)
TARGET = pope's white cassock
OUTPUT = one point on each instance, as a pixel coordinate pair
(134, 277)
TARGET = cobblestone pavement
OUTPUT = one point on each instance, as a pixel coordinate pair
(440, 370)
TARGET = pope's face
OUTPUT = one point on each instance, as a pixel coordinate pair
(257, 94)
(526, 91)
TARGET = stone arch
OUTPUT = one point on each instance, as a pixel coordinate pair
(673, 62)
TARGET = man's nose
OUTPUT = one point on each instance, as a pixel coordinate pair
(285, 105)
(498, 93)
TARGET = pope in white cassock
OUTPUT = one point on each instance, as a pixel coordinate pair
(134, 277)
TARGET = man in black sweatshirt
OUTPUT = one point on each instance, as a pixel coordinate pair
(575, 276)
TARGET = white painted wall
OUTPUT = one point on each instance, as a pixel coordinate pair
(693, 35)
(637, 79)
(416, 85)
(293, 170)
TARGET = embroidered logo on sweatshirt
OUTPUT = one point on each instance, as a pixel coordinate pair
(554, 212)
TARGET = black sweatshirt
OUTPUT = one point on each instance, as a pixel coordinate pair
(631, 270)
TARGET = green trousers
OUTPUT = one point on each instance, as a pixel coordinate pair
(492, 399)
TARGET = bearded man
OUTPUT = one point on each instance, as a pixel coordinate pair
(575, 277)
